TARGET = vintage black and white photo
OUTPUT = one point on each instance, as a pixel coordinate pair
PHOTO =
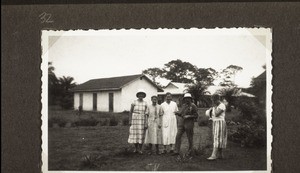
(157, 100)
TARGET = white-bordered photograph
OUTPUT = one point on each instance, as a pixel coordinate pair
(157, 100)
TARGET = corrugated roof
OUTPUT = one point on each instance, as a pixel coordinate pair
(113, 83)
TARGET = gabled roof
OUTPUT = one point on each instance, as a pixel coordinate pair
(175, 88)
(262, 76)
(113, 83)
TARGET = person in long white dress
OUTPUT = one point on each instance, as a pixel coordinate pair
(169, 123)
(153, 132)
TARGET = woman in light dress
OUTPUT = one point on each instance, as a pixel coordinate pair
(154, 132)
(169, 123)
(138, 121)
(217, 114)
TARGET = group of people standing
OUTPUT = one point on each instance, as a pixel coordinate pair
(165, 124)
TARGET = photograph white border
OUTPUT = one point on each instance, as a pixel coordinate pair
(226, 31)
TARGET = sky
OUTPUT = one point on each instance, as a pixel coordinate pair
(86, 55)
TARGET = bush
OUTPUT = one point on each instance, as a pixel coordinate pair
(104, 122)
(125, 121)
(61, 122)
(86, 122)
(250, 126)
(249, 134)
(202, 120)
(113, 121)
(66, 102)
(251, 111)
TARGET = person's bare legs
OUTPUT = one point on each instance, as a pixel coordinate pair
(220, 153)
(172, 147)
(150, 147)
(157, 148)
(165, 149)
(136, 148)
(214, 154)
(140, 148)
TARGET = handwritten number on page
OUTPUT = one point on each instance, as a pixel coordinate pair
(46, 18)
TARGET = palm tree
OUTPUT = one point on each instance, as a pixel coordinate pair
(66, 83)
(198, 90)
(53, 86)
(52, 79)
(66, 99)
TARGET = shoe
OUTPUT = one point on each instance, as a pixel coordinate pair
(150, 153)
(135, 151)
(140, 152)
(212, 158)
(164, 152)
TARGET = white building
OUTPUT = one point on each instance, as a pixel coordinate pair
(176, 89)
(112, 94)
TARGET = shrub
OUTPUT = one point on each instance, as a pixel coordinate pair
(104, 122)
(66, 102)
(113, 121)
(250, 126)
(86, 122)
(125, 112)
(202, 120)
(125, 121)
(60, 121)
(249, 134)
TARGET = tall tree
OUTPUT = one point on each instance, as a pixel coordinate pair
(52, 79)
(154, 74)
(53, 86)
(180, 71)
(206, 75)
(66, 97)
(66, 83)
(229, 74)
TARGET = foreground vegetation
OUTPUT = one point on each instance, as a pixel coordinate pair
(85, 142)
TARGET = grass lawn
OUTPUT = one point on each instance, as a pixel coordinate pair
(107, 149)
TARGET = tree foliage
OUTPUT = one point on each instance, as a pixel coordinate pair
(229, 93)
(53, 85)
(59, 89)
(198, 90)
(229, 75)
(154, 74)
(206, 75)
(180, 71)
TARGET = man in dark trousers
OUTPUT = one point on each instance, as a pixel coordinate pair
(185, 122)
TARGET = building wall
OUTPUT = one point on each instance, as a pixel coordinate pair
(122, 99)
(103, 101)
(76, 101)
(129, 91)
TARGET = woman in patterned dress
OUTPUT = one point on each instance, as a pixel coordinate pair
(219, 128)
(138, 121)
